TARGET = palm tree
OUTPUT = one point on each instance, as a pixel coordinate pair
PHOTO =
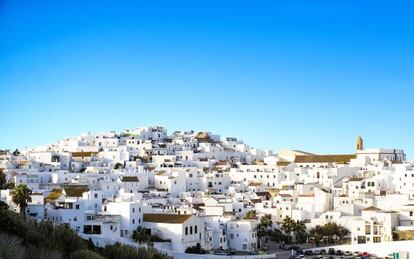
(266, 221)
(140, 235)
(21, 196)
(300, 232)
(287, 228)
(2, 178)
(276, 235)
(263, 228)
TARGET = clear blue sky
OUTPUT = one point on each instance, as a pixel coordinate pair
(308, 75)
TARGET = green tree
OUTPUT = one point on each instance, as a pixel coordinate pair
(16, 152)
(299, 231)
(2, 178)
(197, 249)
(328, 232)
(342, 232)
(21, 196)
(287, 228)
(276, 235)
(141, 235)
(317, 234)
(118, 166)
(263, 228)
(9, 185)
(66, 240)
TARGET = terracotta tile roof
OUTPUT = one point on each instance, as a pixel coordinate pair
(303, 152)
(83, 154)
(341, 159)
(284, 195)
(204, 137)
(282, 163)
(356, 179)
(273, 191)
(222, 162)
(307, 195)
(74, 190)
(55, 194)
(255, 201)
(371, 208)
(264, 194)
(166, 218)
(258, 162)
(255, 184)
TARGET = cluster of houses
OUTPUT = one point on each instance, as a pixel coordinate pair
(189, 188)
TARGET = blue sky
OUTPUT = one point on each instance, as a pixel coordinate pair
(308, 75)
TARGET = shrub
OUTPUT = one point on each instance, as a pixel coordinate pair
(11, 247)
(118, 251)
(197, 249)
(85, 254)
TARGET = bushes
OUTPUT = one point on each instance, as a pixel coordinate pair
(197, 249)
(20, 239)
(119, 251)
(41, 252)
(142, 235)
(85, 254)
(11, 247)
(66, 240)
(12, 224)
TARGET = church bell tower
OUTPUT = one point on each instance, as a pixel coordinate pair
(360, 143)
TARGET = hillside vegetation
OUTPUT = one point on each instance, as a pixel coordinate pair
(20, 239)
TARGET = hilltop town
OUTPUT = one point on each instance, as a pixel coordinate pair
(190, 191)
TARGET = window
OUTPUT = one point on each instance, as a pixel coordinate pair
(91, 230)
(195, 229)
(191, 230)
(77, 206)
(186, 231)
(367, 229)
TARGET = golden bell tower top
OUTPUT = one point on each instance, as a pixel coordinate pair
(360, 143)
